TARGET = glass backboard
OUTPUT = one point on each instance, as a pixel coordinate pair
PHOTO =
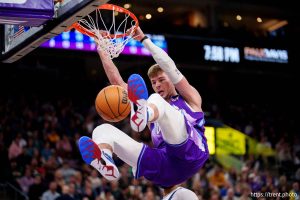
(18, 40)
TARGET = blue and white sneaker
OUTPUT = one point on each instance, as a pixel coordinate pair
(94, 156)
(138, 95)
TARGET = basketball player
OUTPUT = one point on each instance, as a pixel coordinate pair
(173, 114)
(179, 193)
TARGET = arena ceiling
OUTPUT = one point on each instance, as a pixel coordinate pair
(206, 13)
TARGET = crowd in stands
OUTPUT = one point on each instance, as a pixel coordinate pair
(39, 154)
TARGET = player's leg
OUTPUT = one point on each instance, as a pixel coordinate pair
(138, 95)
(107, 139)
(99, 158)
(155, 108)
(126, 148)
(170, 120)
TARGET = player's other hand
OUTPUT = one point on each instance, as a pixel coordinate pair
(138, 34)
(100, 35)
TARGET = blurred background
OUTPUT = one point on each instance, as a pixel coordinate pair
(242, 56)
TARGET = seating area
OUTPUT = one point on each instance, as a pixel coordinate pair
(38, 142)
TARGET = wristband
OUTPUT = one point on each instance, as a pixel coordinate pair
(144, 38)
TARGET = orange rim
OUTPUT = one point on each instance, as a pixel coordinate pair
(112, 7)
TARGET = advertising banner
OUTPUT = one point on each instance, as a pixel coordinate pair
(266, 55)
(210, 136)
(230, 141)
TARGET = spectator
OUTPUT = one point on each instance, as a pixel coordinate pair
(6, 171)
(283, 184)
(94, 179)
(217, 178)
(295, 192)
(215, 195)
(16, 148)
(73, 193)
(27, 180)
(46, 152)
(116, 191)
(29, 151)
(66, 171)
(64, 147)
(51, 193)
(66, 195)
(36, 189)
(245, 192)
(230, 195)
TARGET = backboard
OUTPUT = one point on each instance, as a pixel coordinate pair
(14, 46)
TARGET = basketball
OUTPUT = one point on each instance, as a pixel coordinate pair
(112, 103)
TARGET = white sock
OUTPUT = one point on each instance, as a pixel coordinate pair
(150, 112)
(108, 152)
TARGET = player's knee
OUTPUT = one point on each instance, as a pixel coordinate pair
(155, 98)
(158, 101)
(160, 104)
(102, 129)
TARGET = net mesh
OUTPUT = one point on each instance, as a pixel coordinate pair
(110, 33)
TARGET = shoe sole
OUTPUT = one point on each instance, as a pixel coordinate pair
(137, 88)
(89, 149)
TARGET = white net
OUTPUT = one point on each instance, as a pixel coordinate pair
(110, 35)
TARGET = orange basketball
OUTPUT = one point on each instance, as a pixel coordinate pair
(112, 103)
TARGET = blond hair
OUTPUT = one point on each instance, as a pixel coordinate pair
(154, 70)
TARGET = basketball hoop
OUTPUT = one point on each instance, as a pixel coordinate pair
(111, 33)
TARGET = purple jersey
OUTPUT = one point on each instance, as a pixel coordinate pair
(167, 165)
(194, 123)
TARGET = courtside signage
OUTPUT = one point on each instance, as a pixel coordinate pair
(266, 55)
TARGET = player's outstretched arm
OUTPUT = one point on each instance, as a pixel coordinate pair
(188, 92)
(111, 70)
